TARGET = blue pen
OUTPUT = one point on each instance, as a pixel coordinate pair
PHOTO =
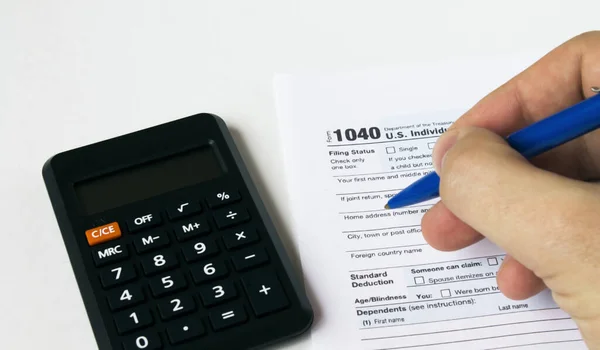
(531, 141)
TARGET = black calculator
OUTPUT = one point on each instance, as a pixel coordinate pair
(170, 243)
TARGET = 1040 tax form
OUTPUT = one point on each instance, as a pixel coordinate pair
(351, 141)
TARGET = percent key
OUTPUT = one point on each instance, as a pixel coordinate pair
(223, 197)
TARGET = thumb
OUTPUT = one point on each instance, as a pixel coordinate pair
(547, 222)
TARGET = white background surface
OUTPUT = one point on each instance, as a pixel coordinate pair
(75, 72)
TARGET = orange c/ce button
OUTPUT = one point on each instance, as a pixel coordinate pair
(103, 233)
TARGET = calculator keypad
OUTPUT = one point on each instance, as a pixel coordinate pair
(196, 267)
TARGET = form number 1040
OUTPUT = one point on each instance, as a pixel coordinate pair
(350, 134)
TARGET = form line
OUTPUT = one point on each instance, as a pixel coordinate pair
(476, 339)
(378, 229)
(399, 246)
(458, 318)
(466, 329)
(373, 210)
(386, 141)
(427, 300)
(386, 172)
(431, 263)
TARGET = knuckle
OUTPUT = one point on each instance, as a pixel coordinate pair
(464, 164)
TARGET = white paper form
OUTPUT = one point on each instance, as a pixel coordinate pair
(352, 140)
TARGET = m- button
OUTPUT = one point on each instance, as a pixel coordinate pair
(103, 233)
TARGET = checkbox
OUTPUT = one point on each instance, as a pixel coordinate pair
(419, 280)
(445, 293)
(430, 145)
(492, 261)
(390, 150)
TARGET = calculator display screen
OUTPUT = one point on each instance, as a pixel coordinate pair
(148, 180)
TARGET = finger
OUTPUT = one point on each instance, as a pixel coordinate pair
(443, 231)
(558, 80)
(542, 219)
(516, 281)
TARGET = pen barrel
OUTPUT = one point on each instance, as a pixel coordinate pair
(557, 129)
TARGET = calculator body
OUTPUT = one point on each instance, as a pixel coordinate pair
(170, 243)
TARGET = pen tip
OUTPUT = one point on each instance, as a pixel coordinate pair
(387, 206)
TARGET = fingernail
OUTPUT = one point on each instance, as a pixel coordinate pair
(442, 146)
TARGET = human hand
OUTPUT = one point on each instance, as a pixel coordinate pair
(543, 212)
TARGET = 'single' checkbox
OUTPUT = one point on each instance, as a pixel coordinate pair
(445, 293)
(419, 280)
(430, 145)
(390, 150)
(492, 261)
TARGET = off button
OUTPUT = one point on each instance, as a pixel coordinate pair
(103, 233)
(143, 221)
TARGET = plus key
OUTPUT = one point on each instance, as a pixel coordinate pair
(265, 292)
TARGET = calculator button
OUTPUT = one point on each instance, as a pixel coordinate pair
(103, 233)
(183, 330)
(223, 197)
(265, 292)
(217, 293)
(249, 258)
(115, 275)
(158, 262)
(167, 283)
(125, 297)
(231, 216)
(173, 307)
(191, 228)
(228, 316)
(197, 250)
(238, 238)
(151, 241)
(129, 320)
(143, 221)
(208, 271)
(183, 209)
(110, 253)
(146, 341)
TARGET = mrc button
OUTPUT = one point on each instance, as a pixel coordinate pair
(106, 254)
(103, 233)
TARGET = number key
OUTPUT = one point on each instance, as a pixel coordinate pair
(117, 274)
(159, 262)
(124, 297)
(129, 320)
(167, 283)
(217, 293)
(197, 250)
(208, 271)
(176, 306)
(146, 341)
